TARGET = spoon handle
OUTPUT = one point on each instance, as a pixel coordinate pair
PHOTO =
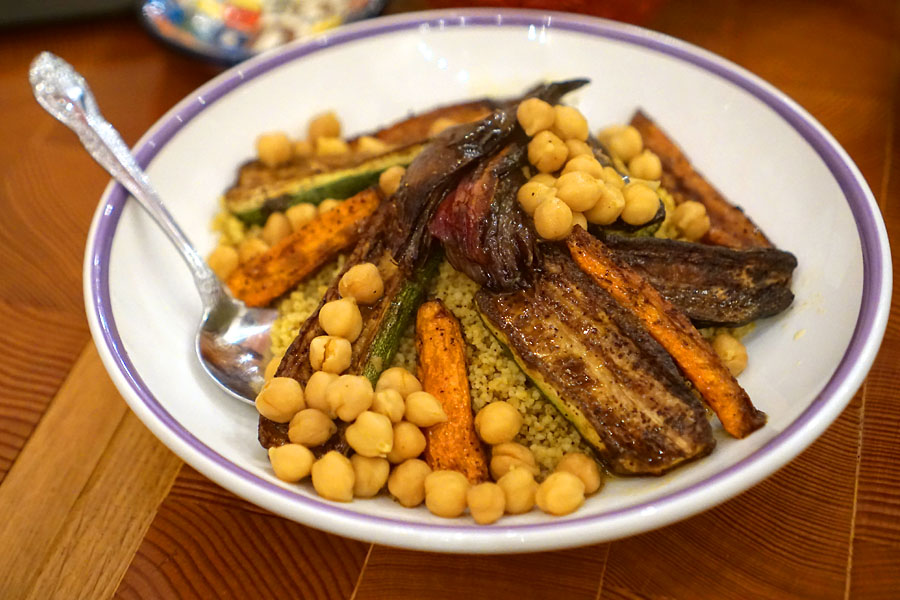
(64, 93)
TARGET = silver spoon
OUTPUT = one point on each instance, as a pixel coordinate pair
(232, 341)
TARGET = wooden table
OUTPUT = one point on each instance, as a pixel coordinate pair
(92, 505)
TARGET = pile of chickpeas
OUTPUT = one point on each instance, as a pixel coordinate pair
(572, 187)
(386, 431)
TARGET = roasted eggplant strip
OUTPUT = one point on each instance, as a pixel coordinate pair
(417, 127)
(729, 226)
(672, 330)
(714, 286)
(454, 444)
(284, 265)
(598, 365)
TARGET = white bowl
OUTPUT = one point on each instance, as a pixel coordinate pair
(761, 149)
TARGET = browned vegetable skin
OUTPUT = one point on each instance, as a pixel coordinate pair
(729, 226)
(454, 444)
(596, 362)
(416, 127)
(295, 363)
(673, 331)
(285, 264)
(711, 285)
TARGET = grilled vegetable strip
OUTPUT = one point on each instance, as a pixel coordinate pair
(711, 285)
(285, 264)
(416, 128)
(398, 315)
(264, 190)
(451, 445)
(673, 331)
(600, 367)
(729, 226)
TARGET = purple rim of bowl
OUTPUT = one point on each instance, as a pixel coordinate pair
(867, 222)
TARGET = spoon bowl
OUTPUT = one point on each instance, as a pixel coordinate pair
(232, 341)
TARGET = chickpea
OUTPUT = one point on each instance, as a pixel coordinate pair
(390, 404)
(531, 194)
(586, 164)
(569, 123)
(273, 149)
(300, 214)
(535, 115)
(333, 477)
(731, 351)
(487, 502)
(409, 442)
(311, 427)
(398, 378)
(511, 455)
(370, 475)
(547, 152)
(324, 125)
(280, 399)
(315, 392)
(584, 468)
(560, 494)
(407, 482)
(326, 205)
(341, 318)
(641, 204)
(331, 146)
(223, 261)
(424, 410)
(291, 462)
(445, 493)
(553, 219)
(370, 145)
(371, 435)
(579, 190)
(579, 219)
(626, 144)
(250, 249)
(498, 423)
(608, 207)
(362, 282)
(519, 489)
(349, 396)
(691, 220)
(578, 148)
(611, 177)
(302, 148)
(545, 178)
(606, 135)
(277, 227)
(440, 125)
(329, 353)
(272, 367)
(645, 165)
(389, 180)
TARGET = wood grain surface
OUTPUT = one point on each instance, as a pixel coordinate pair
(93, 505)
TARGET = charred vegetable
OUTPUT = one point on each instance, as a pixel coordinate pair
(253, 203)
(484, 231)
(729, 226)
(451, 445)
(282, 266)
(712, 285)
(672, 330)
(597, 364)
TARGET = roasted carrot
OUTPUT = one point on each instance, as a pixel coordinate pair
(452, 445)
(284, 265)
(674, 332)
(728, 225)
